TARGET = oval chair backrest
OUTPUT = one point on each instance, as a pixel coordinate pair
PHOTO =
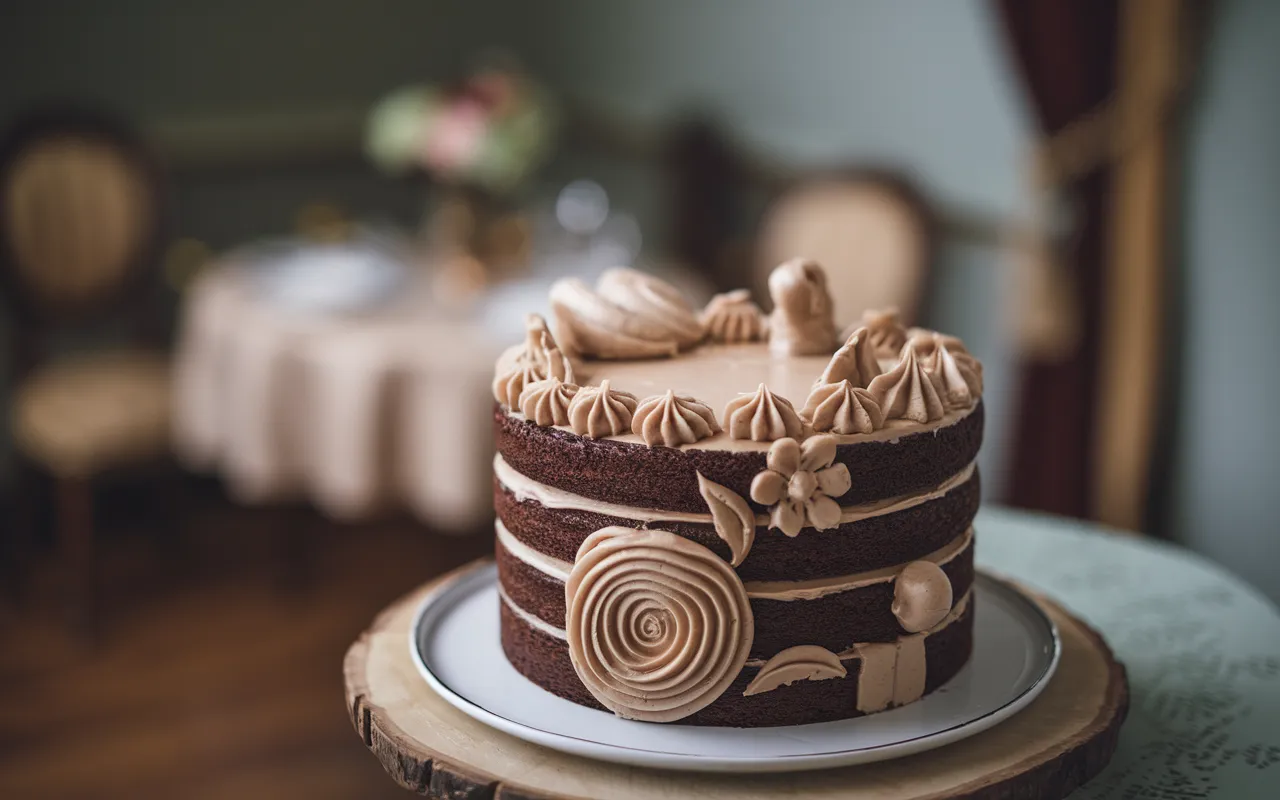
(871, 231)
(78, 215)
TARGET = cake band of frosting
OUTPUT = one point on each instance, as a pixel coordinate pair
(525, 488)
(763, 590)
(892, 431)
(892, 673)
(854, 652)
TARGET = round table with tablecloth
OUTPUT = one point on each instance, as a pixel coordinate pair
(357, 412)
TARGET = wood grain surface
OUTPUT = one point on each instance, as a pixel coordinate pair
(1060, 741)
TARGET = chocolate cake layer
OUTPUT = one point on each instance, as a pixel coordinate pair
(666, 478)
(866, 544)
(835, 621)
(544, 660)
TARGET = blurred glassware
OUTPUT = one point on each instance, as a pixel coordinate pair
(300, 276)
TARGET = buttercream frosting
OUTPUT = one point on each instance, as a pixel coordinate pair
(509, 384)
(734, 520)
(762, 416)
(599, 411)
(539, 358)
(842, 408)
(885, 329)
(801, 482)
(957, 374)
(717, 373)
(813, 589)
(895, 673)
(908, 391)
(801, 322)
(541, 350)
(806, 662)
(628, 315)
(546, 402)
(921, 596)
(672, 420)
(658, 626)
(854, 362)
(525, 488)
(733, 318)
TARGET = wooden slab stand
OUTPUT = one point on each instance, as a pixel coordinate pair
(1053, 746)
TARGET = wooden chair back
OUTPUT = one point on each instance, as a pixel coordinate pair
(80, 215)
(872, 230)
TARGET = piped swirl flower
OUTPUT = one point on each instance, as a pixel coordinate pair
(672, 420)
(598, 411)
(546, 402)
(732, 318)
(658, 626)
(801, 484)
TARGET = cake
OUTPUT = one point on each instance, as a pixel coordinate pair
(731, 518)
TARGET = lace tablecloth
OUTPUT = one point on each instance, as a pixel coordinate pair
(356, 412)
(1202, 650)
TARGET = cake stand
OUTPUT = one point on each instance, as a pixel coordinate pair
(1065, 737)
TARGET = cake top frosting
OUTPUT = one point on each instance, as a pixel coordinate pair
(736, 379)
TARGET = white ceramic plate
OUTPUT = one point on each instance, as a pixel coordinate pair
(455, 644)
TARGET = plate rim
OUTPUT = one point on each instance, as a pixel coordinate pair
(647, 757)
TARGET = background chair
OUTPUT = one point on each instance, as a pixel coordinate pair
(872, 230)
(80, 220)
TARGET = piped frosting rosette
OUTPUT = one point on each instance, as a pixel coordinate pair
(658, 626)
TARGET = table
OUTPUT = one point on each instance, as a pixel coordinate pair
(1202, 652)
(1201, 647)
(355, 412)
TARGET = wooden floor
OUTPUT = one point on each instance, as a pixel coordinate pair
(215, 673)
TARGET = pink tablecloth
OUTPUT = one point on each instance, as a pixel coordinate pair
(354, 412)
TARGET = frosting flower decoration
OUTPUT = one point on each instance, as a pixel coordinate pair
(801, 484)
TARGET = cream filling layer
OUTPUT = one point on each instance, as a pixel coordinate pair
(532, 620)
(762, 590)
(525, 488)
(855, 652)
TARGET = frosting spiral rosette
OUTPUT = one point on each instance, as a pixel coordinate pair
(658, 626)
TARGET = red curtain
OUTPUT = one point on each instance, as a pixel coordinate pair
(1066, 53)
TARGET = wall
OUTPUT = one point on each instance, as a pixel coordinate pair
(1227, 460)
(827, 82)
(811, 83)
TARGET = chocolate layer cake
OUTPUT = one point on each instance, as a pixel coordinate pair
(729, 518)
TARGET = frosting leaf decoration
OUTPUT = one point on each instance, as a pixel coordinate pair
(885, 331)
(732, 318)
(854, 362)
(762, 416)
(801, 322)
(806, 662)
(842, 408)
(546, 402)
(628, 315)
(922, 596)
(599, 411)
(672, 420)
(908, 391)
(734, 520)
(658, 626)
